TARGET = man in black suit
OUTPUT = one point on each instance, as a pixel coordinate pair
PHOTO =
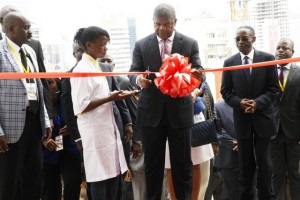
(227, 160)
(285, 147)
(161, 116)
(251, 94)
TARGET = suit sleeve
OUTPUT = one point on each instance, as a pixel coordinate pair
(40, 60)
(137, 63)
(227, 90)
(272, 88)
(124, 112)
(70, 118)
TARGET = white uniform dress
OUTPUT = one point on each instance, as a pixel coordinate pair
(102, 147)
(199, 154)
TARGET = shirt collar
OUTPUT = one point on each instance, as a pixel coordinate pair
(250, 55)
(171, 38)
(287, 66)
(13, 45)
(90, 58)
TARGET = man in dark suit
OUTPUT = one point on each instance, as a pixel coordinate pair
(227, 160)
(285, 147)
(37, 47)
(251, 94)
(24, 119)
(161, 116)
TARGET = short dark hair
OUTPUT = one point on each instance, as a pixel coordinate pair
(89, 34)
(164, 10)
(249, 28)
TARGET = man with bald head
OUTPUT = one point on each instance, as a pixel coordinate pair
(37, 47)
(23, 120)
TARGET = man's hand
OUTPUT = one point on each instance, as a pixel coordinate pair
(63, 131)
(51, 123)
(128, 132)
(143, 81)
(48, 134)
(252, 106)
(216, 148)
(198, 75)
(50, 144)
(79, 146)
(3, 144)
(136, 150)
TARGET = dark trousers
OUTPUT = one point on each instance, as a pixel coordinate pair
(106, 189)
(214, 188)
(21, 166)
(230, 179)
(255, 153)
(286, 158)
(154, 146)
(69, 169)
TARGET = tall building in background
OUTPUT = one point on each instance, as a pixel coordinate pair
(132, 32)
(270, 19)
(239, 12)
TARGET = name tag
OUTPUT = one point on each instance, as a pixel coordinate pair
(31, 91)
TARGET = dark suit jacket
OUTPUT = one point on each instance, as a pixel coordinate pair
(288, 106)
(119, 107)
(37, 47)
(153, 102)
(66, 100)
(263, 88)
(227, 158)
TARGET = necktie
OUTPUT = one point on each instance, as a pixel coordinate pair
(34, 104)
(247, 70)
(164, 49)
(23, 58)
(281, 76)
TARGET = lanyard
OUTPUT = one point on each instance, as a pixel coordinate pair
(16, 55)
(284, 82)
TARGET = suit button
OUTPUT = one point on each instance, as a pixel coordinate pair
(25, 93)
(23, 109)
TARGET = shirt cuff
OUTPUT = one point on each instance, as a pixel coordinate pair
(77, 140)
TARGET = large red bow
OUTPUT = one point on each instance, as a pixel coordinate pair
(174, 77)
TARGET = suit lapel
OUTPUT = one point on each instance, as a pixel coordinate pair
(154, 50)
(177, 43)
(290, 79)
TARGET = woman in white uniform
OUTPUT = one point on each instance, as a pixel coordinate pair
(102, 148)
(200, 156)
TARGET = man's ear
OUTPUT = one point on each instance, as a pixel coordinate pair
(253, 39)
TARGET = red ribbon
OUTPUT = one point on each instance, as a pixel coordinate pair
(174, 77)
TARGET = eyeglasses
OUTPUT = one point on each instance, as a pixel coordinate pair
(243, 38)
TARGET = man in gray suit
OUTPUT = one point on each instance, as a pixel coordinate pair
(161, 116)
(285, 147)
(24, 119)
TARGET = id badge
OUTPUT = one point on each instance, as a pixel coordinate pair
(31, 91)
(59, 142)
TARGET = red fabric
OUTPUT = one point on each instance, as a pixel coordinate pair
(174, 77)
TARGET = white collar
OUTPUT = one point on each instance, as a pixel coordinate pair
(250, 55)
(171, 38)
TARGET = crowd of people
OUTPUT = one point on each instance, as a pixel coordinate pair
(125, 139)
